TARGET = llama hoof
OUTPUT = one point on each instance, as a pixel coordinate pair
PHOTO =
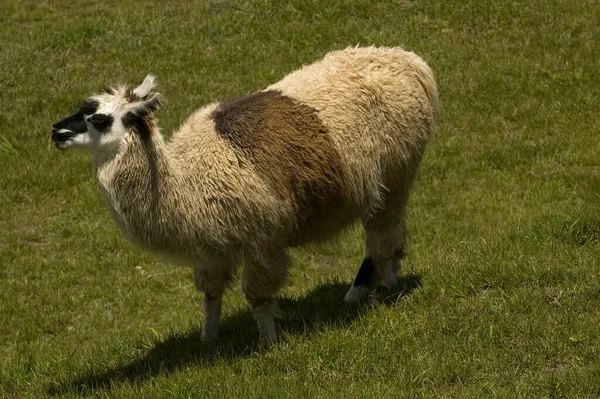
(208, 339)
(390, 282)
(208, 336)
(356, 294)
(267, 339)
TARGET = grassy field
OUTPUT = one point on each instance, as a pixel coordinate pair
(499, 296)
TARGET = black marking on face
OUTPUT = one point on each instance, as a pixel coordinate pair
(73, 123)
(61, 137)
(141, 111)
(130, 119)
(101, 122)
(365, 273)
(89, 107)
(140, 119)
(141, 125)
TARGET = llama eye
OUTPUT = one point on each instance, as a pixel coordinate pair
(101, 122)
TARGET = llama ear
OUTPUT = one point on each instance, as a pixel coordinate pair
(142, 109)
(142, 91)
(149, 106)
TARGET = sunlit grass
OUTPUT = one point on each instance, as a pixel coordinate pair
(500, 293)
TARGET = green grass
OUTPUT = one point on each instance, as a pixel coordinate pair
(500, 294)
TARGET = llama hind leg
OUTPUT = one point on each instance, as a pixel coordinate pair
(213, 283)
(385, 242)
(260, 283)
(399, 252)
(383, 252)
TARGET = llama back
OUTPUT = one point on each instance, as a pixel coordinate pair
(326, 142)
(378, 105)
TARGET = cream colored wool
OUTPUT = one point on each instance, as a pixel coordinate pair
(202, 201)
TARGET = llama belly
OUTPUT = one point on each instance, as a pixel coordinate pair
(168, 244)
(173, 238)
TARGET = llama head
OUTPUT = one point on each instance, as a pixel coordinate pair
(105, 119)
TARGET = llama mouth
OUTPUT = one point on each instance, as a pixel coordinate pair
(61, 136)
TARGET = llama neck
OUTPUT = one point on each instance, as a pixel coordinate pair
(136, 182)
(141, 163)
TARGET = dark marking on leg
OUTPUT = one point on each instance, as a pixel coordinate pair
(209, 297)
(365, 273)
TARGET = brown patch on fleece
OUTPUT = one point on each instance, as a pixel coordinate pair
(291, 150)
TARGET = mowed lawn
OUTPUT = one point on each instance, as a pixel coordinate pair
(499, 295)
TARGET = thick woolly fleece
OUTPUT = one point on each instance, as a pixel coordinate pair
(337, 141)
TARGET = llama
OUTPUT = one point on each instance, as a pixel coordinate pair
(239, 182)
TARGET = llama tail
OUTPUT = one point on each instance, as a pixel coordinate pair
(425, 76)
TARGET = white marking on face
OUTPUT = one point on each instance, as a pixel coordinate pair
(83, 140)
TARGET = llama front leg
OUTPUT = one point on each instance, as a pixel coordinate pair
(260, 283)
(212, 317)
(213, 284)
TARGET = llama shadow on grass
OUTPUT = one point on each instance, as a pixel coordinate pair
(320, 308)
